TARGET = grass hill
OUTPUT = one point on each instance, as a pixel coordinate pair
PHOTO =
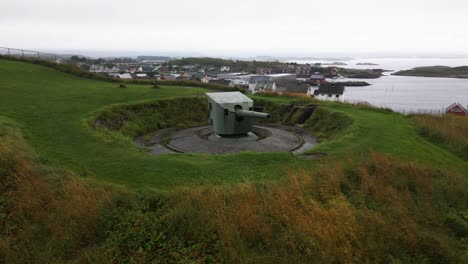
(76, 189)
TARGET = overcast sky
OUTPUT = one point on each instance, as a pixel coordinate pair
(237, 28)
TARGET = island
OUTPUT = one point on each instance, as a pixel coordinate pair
(361, 74)
(336, 63)
(366, 64)
(436, 71)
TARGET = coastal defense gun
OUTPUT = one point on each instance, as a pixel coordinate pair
(231, 113)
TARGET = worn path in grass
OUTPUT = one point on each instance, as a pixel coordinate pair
(51, 107)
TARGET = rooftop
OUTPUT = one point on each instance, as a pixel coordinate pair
(229, 98)
(330, 88)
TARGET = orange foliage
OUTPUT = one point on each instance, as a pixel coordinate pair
(47, 208)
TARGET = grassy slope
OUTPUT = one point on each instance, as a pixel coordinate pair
(51, 107)
(385, 132)
(389, 133)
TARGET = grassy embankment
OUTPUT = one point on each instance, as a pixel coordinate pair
(436, 71)
(362, 209)
(354, 206)
(449, 131)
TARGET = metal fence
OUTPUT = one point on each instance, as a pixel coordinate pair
(31, 54)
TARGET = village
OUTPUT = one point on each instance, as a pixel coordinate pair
(312, 80)
(285, 79)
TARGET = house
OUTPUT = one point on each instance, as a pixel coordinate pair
(334, 72)
(228, 76)
(304, 70)
(141, 75)
(457, 109)
(258, 78)
(239, 82)
(170, 76)
(263, 71)
(282, 76)
(291, 86)
(135, 69)
(220, 82)
(312, 89)
(200, 77)
(330, 92)
(124, 76)
(262, 86)
(317, 78)
(187, 67)
(183, 76)
(146, 68)
(225, 68)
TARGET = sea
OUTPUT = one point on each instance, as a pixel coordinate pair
(407, 94)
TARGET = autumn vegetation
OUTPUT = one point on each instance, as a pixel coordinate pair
(449, 130)
(372, 209)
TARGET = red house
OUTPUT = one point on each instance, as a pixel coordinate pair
(456, 109)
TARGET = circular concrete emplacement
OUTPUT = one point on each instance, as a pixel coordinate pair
(261, 139)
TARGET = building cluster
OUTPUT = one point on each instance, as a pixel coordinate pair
(300, 79)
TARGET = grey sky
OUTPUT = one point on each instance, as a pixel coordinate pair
(214, 27)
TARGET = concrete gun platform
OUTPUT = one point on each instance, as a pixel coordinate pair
(204, 140)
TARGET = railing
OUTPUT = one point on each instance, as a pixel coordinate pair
(31, 54)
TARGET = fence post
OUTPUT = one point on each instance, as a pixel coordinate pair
(22, 52)
(9, 52)
(38, 54)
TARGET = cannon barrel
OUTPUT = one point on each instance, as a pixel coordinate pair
(251, 114)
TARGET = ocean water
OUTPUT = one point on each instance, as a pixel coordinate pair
(408, 94)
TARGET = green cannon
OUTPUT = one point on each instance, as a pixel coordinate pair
(231, 113)
(251, 114)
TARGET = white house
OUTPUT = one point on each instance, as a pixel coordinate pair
(311, 90)
(225, 68)
(330, 92)
(124, 76)
(141, 75)
(262, 86)
(239, 82)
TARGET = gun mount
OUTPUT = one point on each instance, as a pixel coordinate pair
(231, 113)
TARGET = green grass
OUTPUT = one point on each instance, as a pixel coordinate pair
(52, 108)
(380, 130)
